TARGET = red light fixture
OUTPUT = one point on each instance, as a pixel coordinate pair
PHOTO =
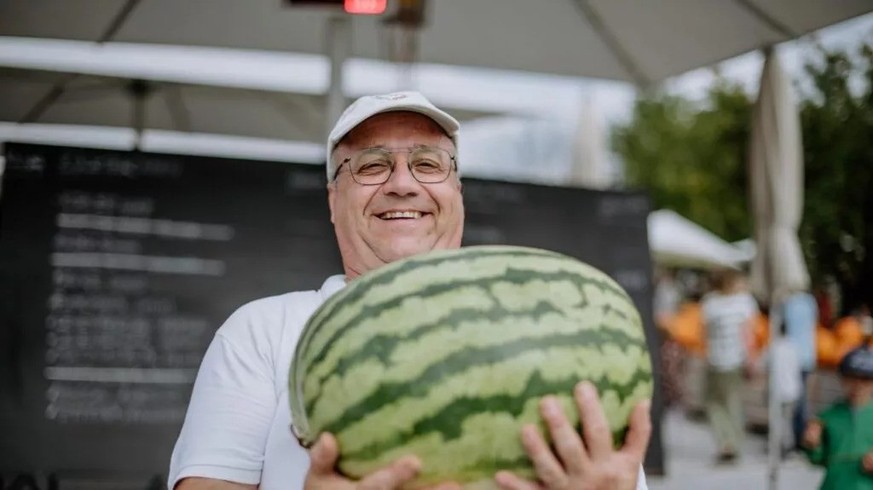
(366, 7)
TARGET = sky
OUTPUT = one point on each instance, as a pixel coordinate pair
(541, 129)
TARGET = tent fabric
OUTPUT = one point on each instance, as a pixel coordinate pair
(678, 242)
(639, 42)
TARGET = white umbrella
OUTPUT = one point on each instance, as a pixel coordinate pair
(776, 176)
(678, 242)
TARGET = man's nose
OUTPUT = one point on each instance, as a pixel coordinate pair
(401, 181)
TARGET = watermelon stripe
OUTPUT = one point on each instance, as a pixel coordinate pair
(585, 361)
(448, 422)
(414, 265)
(463, 360)
(433, 348)
(414, 356)
(508, 376)
(435, 275)
(512, 275)
(381, 347)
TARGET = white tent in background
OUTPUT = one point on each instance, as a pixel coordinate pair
(590, 165)
(678, 242)
(747, 247)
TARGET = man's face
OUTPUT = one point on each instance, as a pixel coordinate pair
(378, 224)
(858, 389)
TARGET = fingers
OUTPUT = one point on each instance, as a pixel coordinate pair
(446, 486)
(867, 462)
(547, 467)
(323, 455)
(510, 481)
(640, 430)
(393, 475)
(595, 427)
(812, 434)
(568, 443)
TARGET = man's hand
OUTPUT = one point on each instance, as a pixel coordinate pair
(586, 462)
(322, 476)
(812, 434)
(867, 462)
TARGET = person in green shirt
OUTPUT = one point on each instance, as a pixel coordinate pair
(841, 438)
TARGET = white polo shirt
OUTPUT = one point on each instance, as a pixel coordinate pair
(238, 423)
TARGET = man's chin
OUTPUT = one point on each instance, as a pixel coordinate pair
(403, 251)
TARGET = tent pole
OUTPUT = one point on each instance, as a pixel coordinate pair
(139, 91)
(774, 405)
(338, 49)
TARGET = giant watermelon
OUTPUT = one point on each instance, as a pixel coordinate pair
(446, 355)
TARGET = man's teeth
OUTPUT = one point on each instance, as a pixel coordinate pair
(401, 214)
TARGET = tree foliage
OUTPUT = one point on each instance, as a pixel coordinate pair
(837, 229)
(691, 157)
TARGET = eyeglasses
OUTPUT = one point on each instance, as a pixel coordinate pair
(374, 166)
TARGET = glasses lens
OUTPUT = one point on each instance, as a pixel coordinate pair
(371, 166)
(430, 165)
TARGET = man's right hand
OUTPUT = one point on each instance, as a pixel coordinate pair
(812, 434)
(322, 476)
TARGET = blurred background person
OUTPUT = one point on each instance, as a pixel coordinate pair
(841, 437)
(666, 302)
(728, 315)
(800, 317)
(786, 366)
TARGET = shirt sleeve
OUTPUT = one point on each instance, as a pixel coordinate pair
(231, 409)
(641, 480)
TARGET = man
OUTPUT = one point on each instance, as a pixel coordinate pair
(393, 192)
(729, 313)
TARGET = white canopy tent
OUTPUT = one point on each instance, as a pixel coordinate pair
(201, 91)
(676, 241)
(639, 42)
(627, 40)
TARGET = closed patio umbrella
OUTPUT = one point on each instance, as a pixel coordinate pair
(776, 177)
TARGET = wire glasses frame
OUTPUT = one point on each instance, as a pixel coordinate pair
(374, 166)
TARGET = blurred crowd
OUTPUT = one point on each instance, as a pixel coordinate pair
(715, 355)
(679, 316)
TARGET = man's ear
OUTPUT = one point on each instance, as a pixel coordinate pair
(331, 198)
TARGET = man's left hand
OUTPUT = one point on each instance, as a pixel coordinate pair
(587, 461)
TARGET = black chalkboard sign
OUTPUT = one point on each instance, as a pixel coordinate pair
(117, 267)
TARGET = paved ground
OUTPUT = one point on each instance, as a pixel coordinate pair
(690, 454)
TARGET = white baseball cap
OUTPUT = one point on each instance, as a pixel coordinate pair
(370, 105)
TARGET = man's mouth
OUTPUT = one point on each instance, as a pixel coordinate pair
(400, 215)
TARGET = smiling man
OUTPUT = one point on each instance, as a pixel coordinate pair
(394, 192)
(394, 189)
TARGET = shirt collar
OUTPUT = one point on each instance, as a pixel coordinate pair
(332, 285)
